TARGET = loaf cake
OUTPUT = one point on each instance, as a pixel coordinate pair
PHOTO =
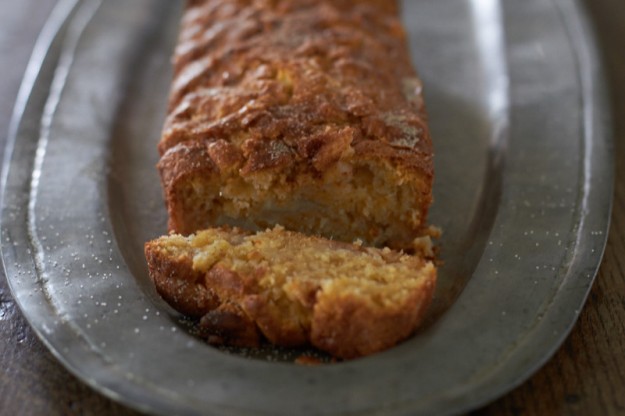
(294, 290)
(304, 113)
(307, 114)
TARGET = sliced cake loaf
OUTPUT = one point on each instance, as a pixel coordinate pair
(292, 289)
(304, 113)
(307, 114)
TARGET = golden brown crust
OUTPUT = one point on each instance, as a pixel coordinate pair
(229, 325)
(178, 284)
(346, 318)
(289, 88)
(286, 71)
(348, 329)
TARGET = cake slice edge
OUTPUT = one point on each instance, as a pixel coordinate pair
(292, 290)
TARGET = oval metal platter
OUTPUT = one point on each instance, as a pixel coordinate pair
(523, 193)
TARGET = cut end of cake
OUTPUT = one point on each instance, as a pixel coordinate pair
(355, 197)
(293, 290)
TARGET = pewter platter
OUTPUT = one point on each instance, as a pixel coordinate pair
(523, 194)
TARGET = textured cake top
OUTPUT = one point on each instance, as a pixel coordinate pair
(334, 78)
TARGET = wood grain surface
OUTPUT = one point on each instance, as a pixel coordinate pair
(585, 377)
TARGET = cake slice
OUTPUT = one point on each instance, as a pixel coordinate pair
(291, 289)
(304, 113)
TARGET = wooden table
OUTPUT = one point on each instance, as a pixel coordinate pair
(585, 377)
